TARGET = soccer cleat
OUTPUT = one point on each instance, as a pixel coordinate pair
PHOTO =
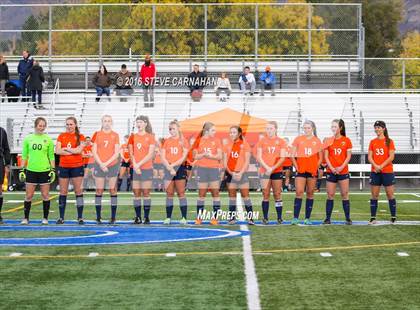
(24, 222)
(214, 222)
(279, 221)
(167, 221)
(393, 220)
(112, 222)
(326, 222)
(146, 221)
(251, 222)
(295, 221)
(137, 220)
(98, 221)
(198, 221)
(349, 222)
(60, 221)
(264, 221)
(232, 222)
(307, 222)
(183, 221)
(80, 221)
(44, 222)
(372, 221)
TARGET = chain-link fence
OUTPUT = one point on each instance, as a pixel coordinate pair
(254, 30)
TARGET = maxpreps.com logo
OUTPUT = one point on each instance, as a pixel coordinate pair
(227, 215)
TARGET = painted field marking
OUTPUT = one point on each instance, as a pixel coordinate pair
(15, 254)
(36, 203)
(252, 290)
(403, 254)
(170, 254)
(93, 254)
(325, 254)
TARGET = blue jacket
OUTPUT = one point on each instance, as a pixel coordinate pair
(268, 78)
(25, 64)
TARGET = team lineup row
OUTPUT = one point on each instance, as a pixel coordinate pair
(209, 157)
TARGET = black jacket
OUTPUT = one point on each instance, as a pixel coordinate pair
(35, 78)
(4, 71)
(4, 148)
(197, 80)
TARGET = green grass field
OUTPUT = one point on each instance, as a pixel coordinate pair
(364, 271)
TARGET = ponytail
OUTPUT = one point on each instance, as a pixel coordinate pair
(240, 132)
(145, 119)
(76, 130)
(387, 139)
(206, 127)
(312, 124)
(341, 126)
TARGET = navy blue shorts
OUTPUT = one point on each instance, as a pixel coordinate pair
(67, 173)
(229, 178)
(207, 175)
(273, 176)
(125, 164)
(181, 174)
(146, 175)
(111, 173)
(305, 175)
(188, 167)
(385, 179)
(288, 168)
(158, 166)
(334, 178)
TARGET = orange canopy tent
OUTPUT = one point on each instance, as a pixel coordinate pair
(223, 120)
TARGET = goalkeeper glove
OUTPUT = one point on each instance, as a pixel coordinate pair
(51, 175)
(22, 175)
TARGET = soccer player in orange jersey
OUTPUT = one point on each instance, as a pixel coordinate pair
(125, 164)
(307, 156)
(381, 154)
(142, 150)
(270, 155)
(106, 150)
(173, 153)
(337, 154)
(207, 156)
(69, 146)
(237, 154)
(287, 166)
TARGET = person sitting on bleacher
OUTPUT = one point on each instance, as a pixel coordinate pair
(196, 82)
(102, 82)
(4, 77)
(123, 80)
(268, 81)
(247, 81)
(223, 85)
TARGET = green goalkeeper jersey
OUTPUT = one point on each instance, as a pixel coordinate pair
(38, 150)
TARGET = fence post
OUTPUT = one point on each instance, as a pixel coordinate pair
(403, 74)
(153, 30)
(256, 37)
(205, 36)
(86, 74)
(49, 38)
(362, 149)
(298, 74)
(100, 33)
(348, 74)
(309, 36)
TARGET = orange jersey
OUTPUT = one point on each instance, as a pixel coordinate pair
(380, 153)
(271, 151)
(337, 152)
(236, 154)
(208, 145)
(288, 159)
(141, 146)
(158, 159)
(307, 154)
(87, 155)
(125, 152)
(105, 145)
(174, 149)
(69, 140)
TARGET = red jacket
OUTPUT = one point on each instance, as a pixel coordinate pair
(147, 73)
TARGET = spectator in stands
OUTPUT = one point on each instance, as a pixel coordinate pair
(247, 81)
(35, 78)
(102, 82)
(4, 77)
(268, 81)
(123, 80)
(148, 75)
(25, 64)
(223, 85)
(196, 82)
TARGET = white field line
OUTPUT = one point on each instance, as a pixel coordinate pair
(252, 290)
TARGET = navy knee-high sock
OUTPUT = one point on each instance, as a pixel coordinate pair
(183, 205)
(114, 203)
(169, 207)
(296, 207)
(137, 206)
(373, 207)
(308, 208)
(232, 207)
(393, 207)
(346, 208)
(147, 204)
(200, 207)
(98, 206)
(265, 205)
(216, 207)
(329, 206)
(62, 200)
(279, 208)
(1, 203)
(79, 205)
(248, 208)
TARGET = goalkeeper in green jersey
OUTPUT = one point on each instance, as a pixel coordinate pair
(38, 168)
